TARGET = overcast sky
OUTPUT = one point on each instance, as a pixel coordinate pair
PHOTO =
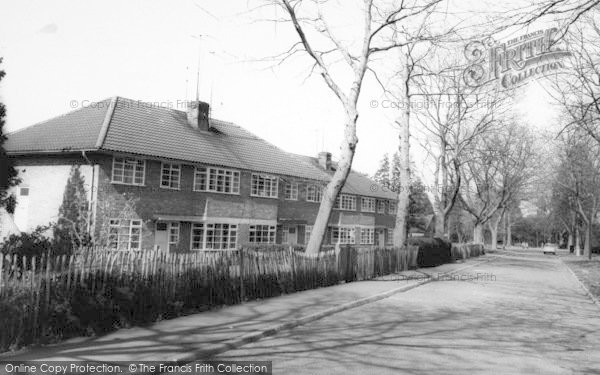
(60, 55)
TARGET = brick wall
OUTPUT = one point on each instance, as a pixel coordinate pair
(152, 200)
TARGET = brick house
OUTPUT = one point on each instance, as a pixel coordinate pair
(159, 177)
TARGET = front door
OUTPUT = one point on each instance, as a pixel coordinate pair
(161, 236)
(381, 238)
(292, 235)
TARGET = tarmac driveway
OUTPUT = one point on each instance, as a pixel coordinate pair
(520, 313)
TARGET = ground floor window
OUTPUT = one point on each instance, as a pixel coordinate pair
(307, 232)
(367, 236)
(262, 234)
(124, 234)
(389, 239)
(173, 236)
(214, 236)
(343, 235)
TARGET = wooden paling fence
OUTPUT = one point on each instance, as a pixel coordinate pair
(98, 290)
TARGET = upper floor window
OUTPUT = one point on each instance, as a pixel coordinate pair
(262, 234)
(170, 176)
(345, 202)
(291, 191)
(367, 204)
(392, 208)
(264, 186)
(218, 180)
(381, 207)
(314, 193)
(128, 171)
(125, 234)
(214, 236)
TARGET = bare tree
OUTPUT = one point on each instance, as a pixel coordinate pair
(455, 116)
(502, 165)
(579, 177)
(385, 26)
(577, 88)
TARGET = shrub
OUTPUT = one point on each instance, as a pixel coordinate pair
(466, 250)
(432, 251)
(27, 244)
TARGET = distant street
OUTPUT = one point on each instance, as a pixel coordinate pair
(523, 312)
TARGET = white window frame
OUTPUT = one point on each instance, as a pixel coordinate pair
(124, 161)
(367, 204)
(174, 232)
(345, 202)
(130, 225)
(307, 231)
(345, 235)
(381, 206)
(264, 191)
(392, 207)
(285, 235)
(291, 191)
(226, 241)
(260, 231)
(316, 193)
(170, 168)
(200, 173)
(212, 176)
(367, 236)
(389, 239)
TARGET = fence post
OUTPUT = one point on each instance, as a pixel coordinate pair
(1, 269)
(293, 267)
(242, 291)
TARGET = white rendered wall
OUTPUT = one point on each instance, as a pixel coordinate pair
(46, 189)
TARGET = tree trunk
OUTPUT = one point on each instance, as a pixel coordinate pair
(493, 224)
(508, 230)
(335, 185)
(577, 242)
(478, 234)
(494, 232)
(570, 240)
(401, 229)
(587, 247)
(504, 236)
(439, 224)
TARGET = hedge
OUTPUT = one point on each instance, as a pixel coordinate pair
(432, 251)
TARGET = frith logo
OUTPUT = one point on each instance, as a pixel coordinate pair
(515, 61)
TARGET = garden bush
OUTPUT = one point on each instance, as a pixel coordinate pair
(33, 244)
(27, 244)
(432, 251)
(466, 250)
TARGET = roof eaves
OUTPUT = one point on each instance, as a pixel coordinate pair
(106, 123)
(49, 152)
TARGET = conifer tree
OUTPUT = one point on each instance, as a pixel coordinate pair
(8, 173)
(71, 229)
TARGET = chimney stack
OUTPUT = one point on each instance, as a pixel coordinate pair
(325, 160)
(197, 115)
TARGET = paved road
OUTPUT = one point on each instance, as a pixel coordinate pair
(524, 313)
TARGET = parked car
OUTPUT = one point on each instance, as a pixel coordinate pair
(550, 248)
